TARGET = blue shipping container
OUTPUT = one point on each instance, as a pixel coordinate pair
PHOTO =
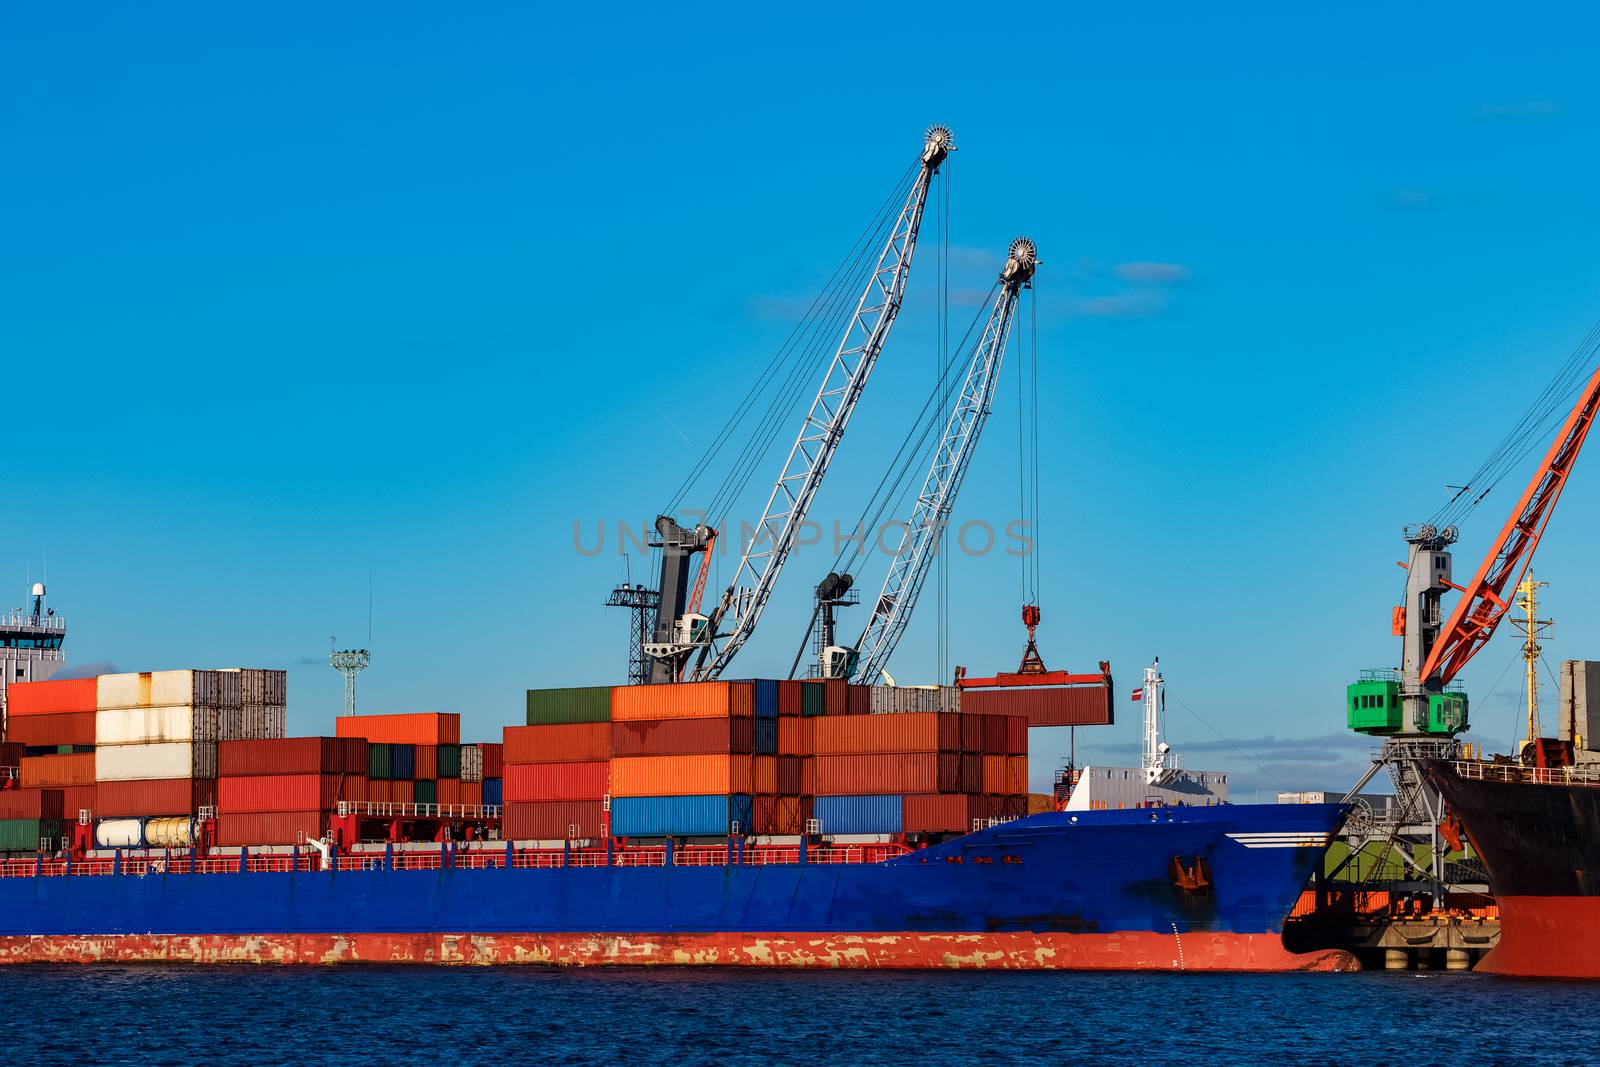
(859, 815)
(697, 816)
(405, 762)
(766, 737)
(492, 791)
(766, 698)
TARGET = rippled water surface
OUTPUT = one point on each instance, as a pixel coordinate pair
(381, 1015)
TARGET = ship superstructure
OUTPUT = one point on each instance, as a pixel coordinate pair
(30, 644)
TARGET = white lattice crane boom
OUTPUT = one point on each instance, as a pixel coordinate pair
(891, 612)
(774, 536)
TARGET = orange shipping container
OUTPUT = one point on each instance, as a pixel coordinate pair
(448, 791)
(427, 765)
(422, 728)
(57, 728)
(51, 698)
(555, 781)
(686, 700)
(1016, 775)
(839, 735)
(56, 771)
(777, 815)
(471, 793)
(669, 776)
(577, 742)
(994, 775)
(922, 772)
(764, 774)
(794, 736)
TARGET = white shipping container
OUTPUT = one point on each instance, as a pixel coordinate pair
(138, 726)
(471, 763)
(212, 689)
(254, 722)
(260, 686)
(137, 763)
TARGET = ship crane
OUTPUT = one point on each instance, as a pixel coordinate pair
(682, 633)
(892, 610)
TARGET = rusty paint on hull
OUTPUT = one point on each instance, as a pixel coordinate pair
(1120, 951)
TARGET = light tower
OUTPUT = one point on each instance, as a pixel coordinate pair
(349, 663)
(1532, 628)
(642, 603)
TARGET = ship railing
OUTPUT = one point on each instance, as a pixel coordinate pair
(380, 809)
(1515, 773)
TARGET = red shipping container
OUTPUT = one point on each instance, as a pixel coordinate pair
(471, 793)
(292, 755)
(287, 792)
(422, 728)
(859, 700)
(447, 791)
(10, 753)
(922, 772)
(57, 728)
(788, 698)
(427, 763)
(74, 769)
(556, 781)
(776, 815)
(945, 812)
(1016, 735)
(32, 804)
(52, 697)
(1088, 705)
(835, 695)
(994, 734)
(970, 779)
(157, 796)
(971, 732)
(574, 742)
(76, 798)
(842, 735)
(553, 820)
(791, 777)
(683, 737)
(494, 759)
(794, 736)
(270, 828)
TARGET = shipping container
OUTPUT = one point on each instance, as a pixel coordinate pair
(946, 812)
(152, 725)
(971, 732)
(260, 686)
(589, 703)
(765, 697)
(777, 815)
(471, 763)
(426, 791)
(144, 797)
(553, 820)
(24, 835)
(61, 696)
(288, 792)
(271, 828)
(789, 698)
(11, 753)
(890, 699)
(210, 689)
(1016, 776)
(448, 790)
(679, 816)
(380, 761)
(969, 778)
(683, 737)
(922, 772)
(556, 781)
(472, 793)
(494, 757)
(870, 814)
(825, 696)
(76, 799)
(293, 755)
(494, 791)
(794, 736)
(129, 763)
(766, 737)
(55, 771)
(579, 742)
(32, 804)
(685, 700)
(253, 722)
(661, 776)
(994, 734)
(838, 735)
(1088, 705)
(1016, 735)
(449, 761)
(59, 728)
(858, 700)
(427, 765)
(404, 767)
(391, 792)
(791, 779)
(419, 728)
(764, 775)
(993, 776)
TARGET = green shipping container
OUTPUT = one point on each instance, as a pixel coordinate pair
(548, 707)
(449, 761)
(23, 835)
(427, 791)
(380, 761)
(813, 698)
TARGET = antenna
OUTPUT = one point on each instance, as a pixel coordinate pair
(349, 663)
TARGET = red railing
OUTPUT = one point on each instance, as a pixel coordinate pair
(141, 864)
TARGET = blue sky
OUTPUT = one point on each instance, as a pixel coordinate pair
(289, 299)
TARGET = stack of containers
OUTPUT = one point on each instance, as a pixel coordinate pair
(51, 723)
(156, 741)
(685, 757)
(399, 746)
(262, 710)
(271, 791)
(29, 817)
(556, 768)
(494, 762)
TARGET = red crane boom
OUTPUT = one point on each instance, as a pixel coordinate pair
(1483, 603)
